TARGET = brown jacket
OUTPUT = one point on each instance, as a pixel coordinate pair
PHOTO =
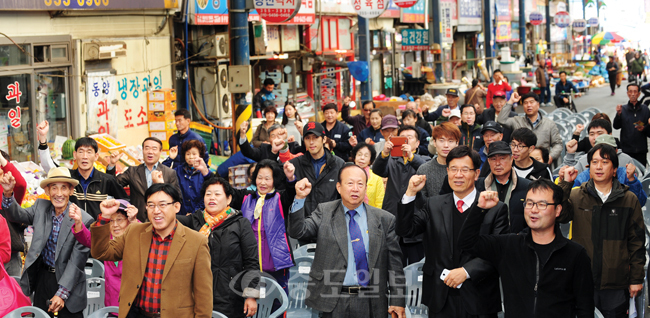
(612, 232)
(540, 76)
(187, 278)
(261, 135)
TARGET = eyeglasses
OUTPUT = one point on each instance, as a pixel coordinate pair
(161, 205)
(517, 146)
(118, 221)
(463, 170)
(541, 205)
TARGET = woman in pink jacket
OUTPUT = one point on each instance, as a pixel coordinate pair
(112, 270)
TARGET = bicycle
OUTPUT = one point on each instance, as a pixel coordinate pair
(571, 105)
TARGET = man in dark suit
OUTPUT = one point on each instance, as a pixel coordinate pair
(54, 266)
(140, 178)
(358, 259)
(456, 284)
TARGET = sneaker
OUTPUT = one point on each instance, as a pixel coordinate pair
(612, 94)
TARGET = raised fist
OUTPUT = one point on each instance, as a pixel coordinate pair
(303, 188)
(416, 184)
(488, 199)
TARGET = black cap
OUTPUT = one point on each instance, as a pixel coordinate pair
(492, 125)
(313, 127)
(452, 91)
(499, 148)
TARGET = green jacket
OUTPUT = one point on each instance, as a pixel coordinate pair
(636, 66)
(613, 232)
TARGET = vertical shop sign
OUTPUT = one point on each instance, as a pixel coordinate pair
(328, 86)
(14, 117)
(469, 12)
(102, 113)
(14, 92)
(503, 31)
(446, 23)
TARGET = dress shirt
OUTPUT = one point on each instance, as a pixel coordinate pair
(148, 172)
(468, 200)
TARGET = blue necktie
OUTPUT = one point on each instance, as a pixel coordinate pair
(359, 250)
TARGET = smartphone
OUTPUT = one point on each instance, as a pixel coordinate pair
(397, 145)
(444, 274)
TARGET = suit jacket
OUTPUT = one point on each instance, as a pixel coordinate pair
(136, 179)
(328, 227)
(70, 257)
(480, 293)
(187, 278)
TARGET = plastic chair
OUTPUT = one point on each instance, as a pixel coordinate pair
(298, 280)
(20, 312)
(294, 243)
(543, 112)
(216, 314)
(95, 291)
(105, 312)
(305, 250)
(270, 290)
(640, 167)
(597, 314)
(94, 268)
(414, 304)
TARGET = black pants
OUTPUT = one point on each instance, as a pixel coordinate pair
(46, 287)
(411, 252)
(612, 303)
(642, 157)
(135, 313)
(612, 81)
(454, 308)
(350, 306)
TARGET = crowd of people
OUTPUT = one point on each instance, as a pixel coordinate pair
(473, 195)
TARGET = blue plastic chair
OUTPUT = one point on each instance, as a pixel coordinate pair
(270, 291)
(105, 312)
(298, 280)
(18, 313)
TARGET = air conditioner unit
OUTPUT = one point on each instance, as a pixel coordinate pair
(224, 98)
(205, 91)
(103, 50)
(220, 45)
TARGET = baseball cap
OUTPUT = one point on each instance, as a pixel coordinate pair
(389, 121)
(493, 126)
(500, 94)
(455, 113)
(313, 127)
(499, 148)
(452, 91)
(606, 139)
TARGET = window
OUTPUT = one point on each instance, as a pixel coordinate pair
(11, 55)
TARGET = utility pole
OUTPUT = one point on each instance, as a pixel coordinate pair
(548, 27)
(364, 56)
(487, 31)
(436, 33)
(522, 26)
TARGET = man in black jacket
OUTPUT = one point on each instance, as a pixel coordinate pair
(277, 136)
(522, 145)
(319, 166)
(455, 283)
(510, 187)
(633, 121)
(490, 114)
(338, 134)
(543, 274)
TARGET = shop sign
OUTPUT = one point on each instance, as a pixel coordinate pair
(562, 19)
(13, 92)
(469, 12)
(536, 18)
(328, 86)
(335, 6)
(503, 10)
(405, 3)
(216, 13)
(277, 11)
(414, 14)
(415, 40)
(53, 5)
(593, 22)
(446, 26)
(370, 9)
(503, 31)
(579, 25)
(453, 8)
(391, 12)
(14, 117)
(102, 113)
(306, 14)
(514, 31)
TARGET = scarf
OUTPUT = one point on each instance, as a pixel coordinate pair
(211, 222)
(260, 204)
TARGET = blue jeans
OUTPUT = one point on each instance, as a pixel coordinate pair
(545, 94)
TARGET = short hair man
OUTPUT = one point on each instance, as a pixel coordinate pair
(55, 258)
(348, 232)
(183, 118)
(278, 141)
(633, 119)
(560, 280)
(445, 137)
(337, 133)
(500, 84)
(564, 87)
(421, 122)
(510, 187)
(143, 176)
(491, 114)
(444, 110)
(94, 186)
(169, 264)
(595, 128)
(398, 170)
(608, 222)
(547, 132)
(410, 118)
(475, 95)
(492, 132)
(440, 220)
(522, 145)
(264, 97)
(358, 122)
(470, 130)
(581, 163)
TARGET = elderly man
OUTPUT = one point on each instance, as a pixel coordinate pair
(633, 119)
(54, 266)
(169, 265)
(548, 136)
(445, 110)
(492, 132)
(357, 260)
(279, 141)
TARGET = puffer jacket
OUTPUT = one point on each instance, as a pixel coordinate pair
(632, 140)
(548, 136)
(612, 232)
(471, 136)
(233, 251)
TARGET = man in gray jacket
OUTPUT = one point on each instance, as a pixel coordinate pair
(548, 136)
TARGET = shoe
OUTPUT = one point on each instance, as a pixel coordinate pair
(612, 94)
(618, 86)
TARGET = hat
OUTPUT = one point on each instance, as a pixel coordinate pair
(454, 113)
(389, 121)
(60, 174)
(493, 126)
(499, 148)
(313, 127)
(606, 139)
(452, 91)
(500, 94)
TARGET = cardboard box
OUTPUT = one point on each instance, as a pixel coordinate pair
(163, 136)
(162, 125)
(107, 143)
(160, 116)
(164, 95)
(162, 106)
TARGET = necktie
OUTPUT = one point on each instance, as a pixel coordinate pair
(459, 205)
(359, 250)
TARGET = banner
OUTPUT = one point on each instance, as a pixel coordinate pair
(55, 5)
(100, 94)
(470, 12)
(503, 31)
(503, 10)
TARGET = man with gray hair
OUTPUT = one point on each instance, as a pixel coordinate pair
(277, 136)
